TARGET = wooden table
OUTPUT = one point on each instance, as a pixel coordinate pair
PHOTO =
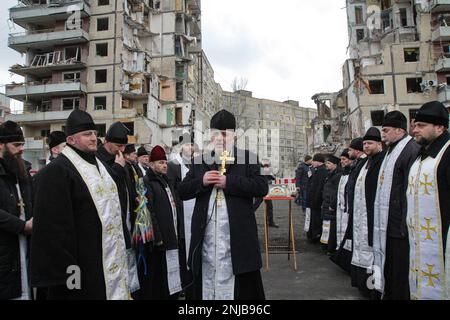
(290, 248)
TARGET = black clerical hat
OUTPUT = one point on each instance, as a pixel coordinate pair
(79, 121)
(318, 157)
(357, 144)
(130, 148)
(433, 112)
(117, 133)
(333, 159)
(395, 119)
(345, 153)
(373, 134)
(142, 152)
(56, 138)
(11, 132)
(223, 120)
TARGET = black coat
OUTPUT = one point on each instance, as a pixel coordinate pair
(398, 204)
(11, 226)
(315, 188)
(371, 189)
(174, 178)
(244, 182)
(161, 212)
(329, 195)
(66, 231)
(301, 175)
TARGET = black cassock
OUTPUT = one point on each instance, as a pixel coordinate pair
(66, 231)
(244, 182)
(359, 275)
(154, 280)
(343, 257)
(314, 201)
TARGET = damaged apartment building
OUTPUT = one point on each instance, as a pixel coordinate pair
(5, 107)
(135, 61)
(398, 59)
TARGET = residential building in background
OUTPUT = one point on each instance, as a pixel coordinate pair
(5, 107)
(134, 61)
(280, 127)
(139, 62)
(398, 52)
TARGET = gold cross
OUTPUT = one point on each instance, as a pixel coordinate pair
(113, 188)
(428, 229)
(225, 158)
(219, 197)
(426, 184)
(109, 228)
(113, 268)
(21, 205)
(382, 177)
(100, 190)
(430, 275)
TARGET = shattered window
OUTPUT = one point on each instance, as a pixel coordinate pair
(376, 86)
(359, 15)
(413, 85)
(412, 54)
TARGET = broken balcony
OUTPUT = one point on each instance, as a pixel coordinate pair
(443, 64)
(194, 6)
(46, 39)
(42, 65)
(39, 90)
(442, 31)
(42, 12)
(444, 94)
(440, 6)
(42, 117)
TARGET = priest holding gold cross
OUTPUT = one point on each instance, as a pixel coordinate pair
(224, 257)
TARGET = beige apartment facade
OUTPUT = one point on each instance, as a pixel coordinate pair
(104, 56)
(397, 61)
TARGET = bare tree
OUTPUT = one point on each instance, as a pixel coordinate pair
(239, 84)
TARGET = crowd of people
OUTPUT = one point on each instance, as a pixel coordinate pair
(382, 211)
(104, 220)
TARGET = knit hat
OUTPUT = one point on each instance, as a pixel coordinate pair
(56, 138)
(357, 144)
(345, 153)
(318, 157)
(373, 134)
(117, 133)
(79, 121)
(11, 132)
(142, 152)
(157, 154)
(433, 112)
(395, 119)
(333, 159)
(130, 148)
(223, 120)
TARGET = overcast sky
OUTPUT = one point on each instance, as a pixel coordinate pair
(287, 49)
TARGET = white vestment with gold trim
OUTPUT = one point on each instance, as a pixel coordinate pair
(427, 275)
